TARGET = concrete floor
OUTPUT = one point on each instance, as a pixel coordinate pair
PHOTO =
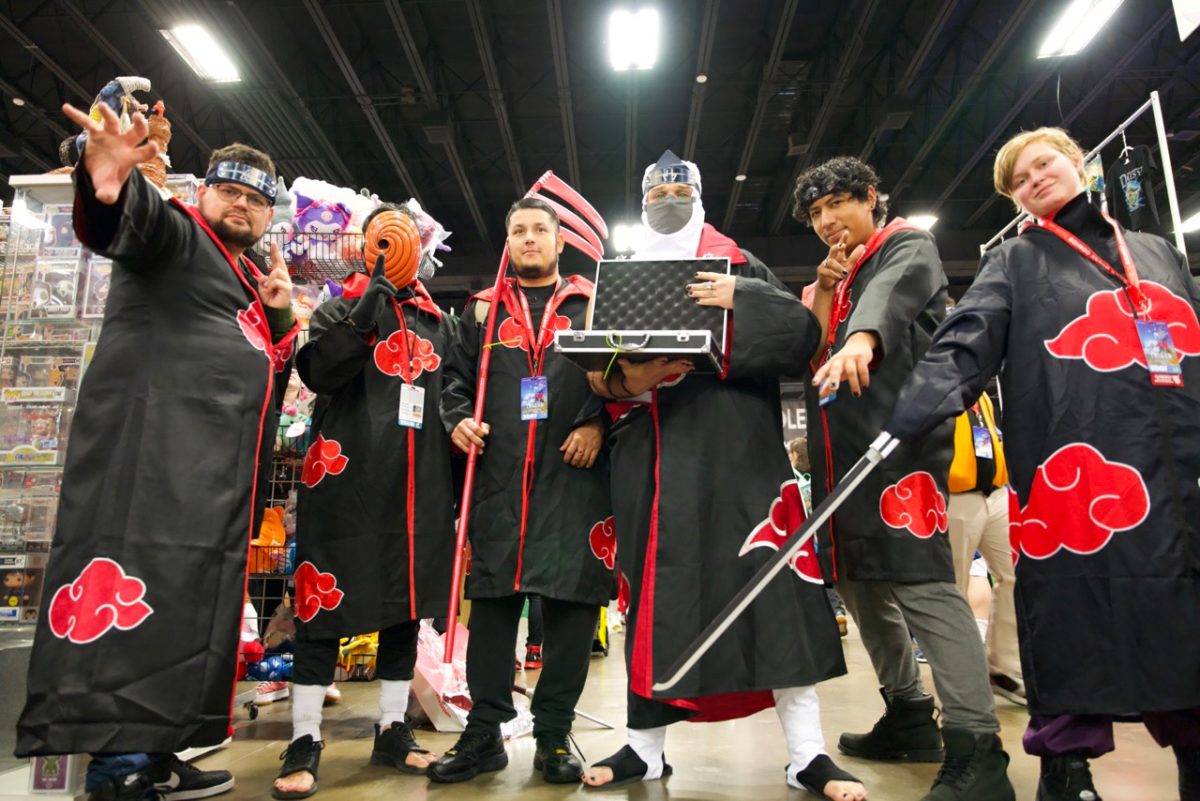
(733, 760)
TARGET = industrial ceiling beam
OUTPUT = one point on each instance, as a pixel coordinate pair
(849, 57)
(980, 73)
(766, 90)
(445, 135)
(37, 52)
(708, 35)
(360, 93)
(1097, 89)
(118, 58)
(933, 32)
(412, 53)
(496, 93)
(43, 117)
(631, 126)
(562, 80)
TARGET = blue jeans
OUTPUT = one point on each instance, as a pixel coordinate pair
(113, 766)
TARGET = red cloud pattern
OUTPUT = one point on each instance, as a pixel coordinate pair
(914, 503)
(1106, 339)
(389, 355)
(603, 539)
(101, 598)
(622, 593)
(324, 457)
(512, 333)
(281, 353)
(785, 516)
(252, 324)
(1078, 500)
(315, 591)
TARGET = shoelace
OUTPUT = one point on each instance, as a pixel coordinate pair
(567, 745)
(299, 758)
(470, 740)
(955, 772)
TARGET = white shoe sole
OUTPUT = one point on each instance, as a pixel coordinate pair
(270, 698)
(201, 792)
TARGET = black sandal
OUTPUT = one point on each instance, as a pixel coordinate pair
(392, 747)
(301, 754)
(819, 772)
(627, 767)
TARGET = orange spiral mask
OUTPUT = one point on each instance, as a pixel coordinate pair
(394, 235)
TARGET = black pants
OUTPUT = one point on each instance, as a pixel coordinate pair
(314, 660)
(493, 626)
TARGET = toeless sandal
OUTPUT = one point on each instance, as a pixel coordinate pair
(392, 747)
(302, 754)
(819, 772)
(627, 767)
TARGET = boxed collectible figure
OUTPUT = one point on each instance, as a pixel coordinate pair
(95, 293)
(54, 286)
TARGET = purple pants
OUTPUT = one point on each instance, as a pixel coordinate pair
(1092, 735)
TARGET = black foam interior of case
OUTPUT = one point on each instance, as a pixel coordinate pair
(652, 296)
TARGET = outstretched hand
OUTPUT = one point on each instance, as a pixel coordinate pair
(109, 155)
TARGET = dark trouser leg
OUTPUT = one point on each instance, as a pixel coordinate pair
(397, 651)
(1180, 728)
(313, 662)
(568, 650)
(493, 637)
(1090, 736)
(537, 629)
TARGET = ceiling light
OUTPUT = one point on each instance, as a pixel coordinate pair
(702, 78)
(633, 39)
(1191, 225)
(627, 237)
(18, 101)
(739, 177)
(202, 53)
(1080, 21)
(923, 221)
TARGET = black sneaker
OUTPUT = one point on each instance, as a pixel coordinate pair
(975, 769)
(137, 786)
(478, 750)
(1066, 777)
(186, 781)
(554, 759)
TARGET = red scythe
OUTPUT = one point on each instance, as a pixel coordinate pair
(583, 229)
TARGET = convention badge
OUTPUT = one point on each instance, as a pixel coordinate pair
(983, 442)
(412, 406)
(535, 398)
(828, 398)
(1162, 360)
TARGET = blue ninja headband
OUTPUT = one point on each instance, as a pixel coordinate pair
(225, 172)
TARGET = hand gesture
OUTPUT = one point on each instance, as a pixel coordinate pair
(110, 155)
(851, 363)
(641, 377)
(468, 433)
(837, 264)
(379, 289)
(582, 445)
(275, 288)
(713, 289)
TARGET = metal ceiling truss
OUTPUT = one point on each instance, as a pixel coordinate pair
(708, 35)
(496, 93)
(562, 80)
(412, 53)
(447, 136)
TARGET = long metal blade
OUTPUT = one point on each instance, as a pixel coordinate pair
(572, 198)
(883, 445)
(572, 221)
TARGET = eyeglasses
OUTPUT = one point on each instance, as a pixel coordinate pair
(230, 194)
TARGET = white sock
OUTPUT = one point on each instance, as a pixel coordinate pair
(983, 627)
(393, 702)
(307, 700)
(799, 713)
(648, 744)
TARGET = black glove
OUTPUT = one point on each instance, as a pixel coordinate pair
(379, 290)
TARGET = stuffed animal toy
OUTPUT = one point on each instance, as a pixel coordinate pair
(267, 553)
(317, 226)
(155, 169)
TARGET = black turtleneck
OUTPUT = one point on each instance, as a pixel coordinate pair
(1085, 221)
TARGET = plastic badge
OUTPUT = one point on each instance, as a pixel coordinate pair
(412, 406)
(983, 442)
(1162, 359)
(535, 398)
(828, 398)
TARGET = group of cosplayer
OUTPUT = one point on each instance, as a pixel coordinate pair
(689, 467)
(659, 483)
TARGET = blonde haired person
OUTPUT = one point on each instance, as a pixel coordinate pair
(1094, 334)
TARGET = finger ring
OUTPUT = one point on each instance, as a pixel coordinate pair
(708, 285)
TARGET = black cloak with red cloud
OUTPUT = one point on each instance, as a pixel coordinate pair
(136, 649)
(702, 495)
(537, 524)
(1104, 501)
(375, 512)
(895, 529)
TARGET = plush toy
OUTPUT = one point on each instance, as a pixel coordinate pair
(273, 668)
(281, 215)
(155, 169)
(267, 553)
(316, 229)
(117, 94)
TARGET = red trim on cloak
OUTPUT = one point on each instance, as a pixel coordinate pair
(715, 244)
(354, 284)
(194, 213)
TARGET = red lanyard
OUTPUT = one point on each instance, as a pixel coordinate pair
(841, 302)
(537, 348)
(405, 353)
(1129, 279)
